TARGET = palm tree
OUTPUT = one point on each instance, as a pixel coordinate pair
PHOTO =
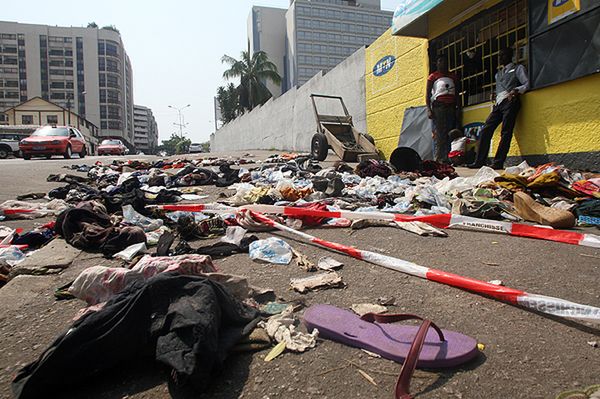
(253, 72)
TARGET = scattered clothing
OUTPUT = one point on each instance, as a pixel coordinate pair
(186, 323)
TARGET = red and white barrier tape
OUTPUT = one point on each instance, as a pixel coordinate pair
(443, 221)
(544, 304)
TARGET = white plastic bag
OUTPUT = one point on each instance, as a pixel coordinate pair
(131, 216)
(272, 250)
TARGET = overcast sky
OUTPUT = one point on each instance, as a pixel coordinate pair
(175, 47)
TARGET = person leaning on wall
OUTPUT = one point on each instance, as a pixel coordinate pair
(511, 82)
(443, 106)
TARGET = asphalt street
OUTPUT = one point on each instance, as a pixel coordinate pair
(525, 354)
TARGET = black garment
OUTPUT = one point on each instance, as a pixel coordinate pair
(34, 239)
(444, 120)
(67, 178)
(87, 228)
(187, 323)
(588, 208)
(224, 249)
(506, 113)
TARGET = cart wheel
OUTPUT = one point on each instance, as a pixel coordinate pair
(319, 147)
(370, 138)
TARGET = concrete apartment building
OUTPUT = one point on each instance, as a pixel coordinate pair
(314, 35)
(145, 129)
(83, 69)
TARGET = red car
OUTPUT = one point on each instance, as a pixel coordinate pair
(53, 140)
(112, 147)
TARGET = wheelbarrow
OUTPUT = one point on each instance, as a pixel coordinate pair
(338, 133)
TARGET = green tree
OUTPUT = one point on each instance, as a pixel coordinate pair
(175, 145)
(111, 27)
(253, 70)
(92, 25)
(228, 98)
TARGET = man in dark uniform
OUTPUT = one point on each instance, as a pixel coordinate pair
(511, 82)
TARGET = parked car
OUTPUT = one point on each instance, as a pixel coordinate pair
(9, 144)
(195, 148)
(54, 140)
(112, 147)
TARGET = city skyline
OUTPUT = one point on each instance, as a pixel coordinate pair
(174, 61)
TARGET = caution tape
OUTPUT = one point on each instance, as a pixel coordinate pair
(541, 303)
(443, 221)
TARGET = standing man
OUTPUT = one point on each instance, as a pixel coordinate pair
(511, 82)
(442, 107)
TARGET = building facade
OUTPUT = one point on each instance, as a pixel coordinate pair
(322, 33)
(145, 130)
(37, 112)
(558, 121)
(86, 70)
(314, 35)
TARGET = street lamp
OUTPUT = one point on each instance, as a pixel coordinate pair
(180, 124)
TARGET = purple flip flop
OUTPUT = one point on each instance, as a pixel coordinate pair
(425, 346)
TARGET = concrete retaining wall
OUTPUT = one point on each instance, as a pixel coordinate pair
(288, 122)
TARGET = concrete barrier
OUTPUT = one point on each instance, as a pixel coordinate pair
(288, 122)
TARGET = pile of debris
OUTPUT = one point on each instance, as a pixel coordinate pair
(150, 215)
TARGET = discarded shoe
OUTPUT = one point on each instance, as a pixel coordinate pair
(424, 346)
(533, 211)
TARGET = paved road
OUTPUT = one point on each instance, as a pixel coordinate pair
(19, 176)
(526, 355)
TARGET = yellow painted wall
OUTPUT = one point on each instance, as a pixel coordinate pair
(562, 118)
(450, 14)
(558, 119)
(402, 87)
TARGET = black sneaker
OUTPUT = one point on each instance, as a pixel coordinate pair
(497, 166)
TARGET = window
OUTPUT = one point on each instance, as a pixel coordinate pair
(473, 48)
(57, 96)
(57, 85)
(27, 119)
(52, 119)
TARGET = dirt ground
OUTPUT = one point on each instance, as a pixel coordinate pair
(526, 355)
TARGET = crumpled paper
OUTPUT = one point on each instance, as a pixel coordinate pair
(282, 328)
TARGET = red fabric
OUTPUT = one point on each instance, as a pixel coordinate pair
(447, 99)
(183, 207)
(312, 214)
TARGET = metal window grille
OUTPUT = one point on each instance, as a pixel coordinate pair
(472, 48)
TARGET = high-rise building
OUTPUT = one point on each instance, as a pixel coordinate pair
(322, 33)
(145, 129)
(266, 32)
(84, 69)
(316, 35)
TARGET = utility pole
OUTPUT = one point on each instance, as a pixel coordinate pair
(181, 124)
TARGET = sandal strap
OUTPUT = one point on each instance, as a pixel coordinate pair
(410, 363)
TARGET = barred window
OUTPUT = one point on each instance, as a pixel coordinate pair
(472, 48)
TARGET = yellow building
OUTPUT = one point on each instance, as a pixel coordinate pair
(560, 116)
(39, 112)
